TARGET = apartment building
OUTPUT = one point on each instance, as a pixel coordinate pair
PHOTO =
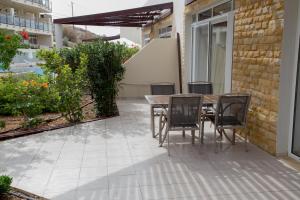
(29, 15)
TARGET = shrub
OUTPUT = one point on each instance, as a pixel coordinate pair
(32, 123)
(29, 96)
(53, 61)
(104, 71)
(70, 83)
(70, 86)
(9, 44)
(128, 52)
(5, 182)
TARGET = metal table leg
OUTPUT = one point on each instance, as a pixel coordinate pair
(152, 121)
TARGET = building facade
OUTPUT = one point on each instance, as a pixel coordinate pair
(244, 46)
(31, 16)
(133, 34)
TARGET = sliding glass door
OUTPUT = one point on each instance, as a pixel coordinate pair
(200, 53)
(209, 57)
(296, 131)
(218, 56)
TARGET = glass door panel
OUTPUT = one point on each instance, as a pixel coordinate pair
(200, 53)
(296, 130)
(218, 56)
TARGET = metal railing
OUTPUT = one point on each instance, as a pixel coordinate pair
(22, 22)
(44, 3)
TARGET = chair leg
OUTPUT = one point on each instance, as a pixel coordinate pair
(164, 138)
(233, 137)
(160, 129)
(193, 137)
(183, 133)
(168, 143)
(202, 132)
(246, 141)
(215, 138)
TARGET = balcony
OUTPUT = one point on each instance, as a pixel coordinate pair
(43, 4)
(24, 23)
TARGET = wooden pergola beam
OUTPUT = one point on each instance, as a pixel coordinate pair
(137, 17)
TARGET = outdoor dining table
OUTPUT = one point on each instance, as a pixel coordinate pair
(162, 101)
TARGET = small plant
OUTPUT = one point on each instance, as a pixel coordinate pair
(2, 124)
(5, 182)
(32, 123)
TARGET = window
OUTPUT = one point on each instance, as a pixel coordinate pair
(215, 11)
(146, 38)
(212, 47)
(205, 15)
(33, 39)
(223, 8)
(165, 32)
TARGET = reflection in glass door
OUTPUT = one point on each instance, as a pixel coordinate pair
(218, 56)
(200, 53)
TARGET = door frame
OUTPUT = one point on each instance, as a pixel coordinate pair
(229, 18)
(294, 88)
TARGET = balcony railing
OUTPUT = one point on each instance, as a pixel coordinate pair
(22, 22)
(44, 3)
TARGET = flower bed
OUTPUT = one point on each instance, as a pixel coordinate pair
(52, 121)
(17, 194)
(31, 103)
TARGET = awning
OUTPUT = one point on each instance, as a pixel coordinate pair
(136, 17)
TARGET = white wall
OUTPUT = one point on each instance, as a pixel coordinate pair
(132, 33)
(156, 62)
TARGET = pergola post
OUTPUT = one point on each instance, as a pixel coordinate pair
(59, 35)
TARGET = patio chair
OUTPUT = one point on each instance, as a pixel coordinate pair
(184, 113)
(204, 88)
(231, 113)
(200, 87)
(161, 89)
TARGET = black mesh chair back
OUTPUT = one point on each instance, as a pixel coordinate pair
(232, 110)
(184, 111)
(200, 87)
(163, 89)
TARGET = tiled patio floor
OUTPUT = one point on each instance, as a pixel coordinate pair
(118, 159)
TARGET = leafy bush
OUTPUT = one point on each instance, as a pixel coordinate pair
(104, 71)
(9, 44)
(70, 86)
(70, 83)
(128, 52)
(53, 61)
(5, 182)
(28, 96)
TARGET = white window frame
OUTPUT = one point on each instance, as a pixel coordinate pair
(229, 17)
